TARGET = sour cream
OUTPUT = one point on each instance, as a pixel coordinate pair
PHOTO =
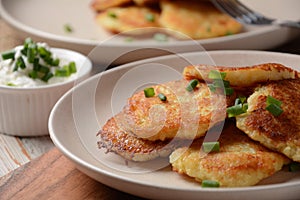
(20, 78)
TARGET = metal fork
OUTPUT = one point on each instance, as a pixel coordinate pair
(245, 15)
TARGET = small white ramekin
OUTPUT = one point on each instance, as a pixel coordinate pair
(25, 111)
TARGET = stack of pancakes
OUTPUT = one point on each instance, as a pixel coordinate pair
(253, 146)
(191, 19)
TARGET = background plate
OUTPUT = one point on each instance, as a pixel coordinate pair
(79, 115)
(45, 20)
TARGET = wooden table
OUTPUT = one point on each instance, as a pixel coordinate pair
(18, 181)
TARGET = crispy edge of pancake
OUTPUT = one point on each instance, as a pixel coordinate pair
(196, 20)
(131, 20)
(281, 133)
(185, 115)
(114, 139)
(243, 76)
(100, 5)
(240, 162)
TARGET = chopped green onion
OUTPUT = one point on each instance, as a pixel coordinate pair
(8, 55)
(160, 37)
(47, 76)
(210, 183)
(112, 15)
(149, 17)
(68, 28)
(62, 72)
(128, 39)
(20, 63)
(272, 100)
(273, 106)
(44, 69)
(192, 85)
(294, 167)
(33, 74)
(234, 111)
(274, 109)
(31, 53)
(149, 92)
(215, 74)
(228, 91)
(162, 97)
(10, 84)
(211, 147)
(72, 67)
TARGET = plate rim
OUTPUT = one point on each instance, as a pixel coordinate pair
(60, 38)
(109, 174)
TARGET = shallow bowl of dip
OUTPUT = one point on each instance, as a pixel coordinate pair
(25, 104)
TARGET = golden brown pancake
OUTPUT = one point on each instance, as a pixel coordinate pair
(145, 2)
(100, 5)
(185, 115)
(196, 19)
(240, 161)
(280, 133)
(243, 76)
(131, 20)
(114, 139)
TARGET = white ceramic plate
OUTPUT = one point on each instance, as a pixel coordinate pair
(79, 115)
(45, 20)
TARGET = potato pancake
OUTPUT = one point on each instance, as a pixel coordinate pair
(280, 133)
(114, 139)
(131, 20)
(240, 161)
(196, 19)
(185, 115)
(100, 5)
(243, 76)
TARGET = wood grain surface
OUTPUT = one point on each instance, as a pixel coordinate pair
(53, 176)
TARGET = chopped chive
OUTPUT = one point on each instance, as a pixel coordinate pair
(234, 111)
(162, 97)
(44, 69)
(211, 147)
(228, 91)
(68, 28)
(274, 109)
(160, 37)
(192, 85)
(273, 106)
(31, 53)
(11, 84)
(72, 67)
(112, 15)
(20, 62)
(215, 74)
(61, 73)
(272, 100)
(210, 183)
(149, 17)
(149, 92)
(47, 76)
(33, 74)
(228, 33)
(8, 55)
(55, 62)
(128, 39)
(294, 167)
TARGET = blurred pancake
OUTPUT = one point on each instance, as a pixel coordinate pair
(131, 20)
(100, 5)
(196, 19)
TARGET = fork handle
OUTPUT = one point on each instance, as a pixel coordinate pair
(291, 24)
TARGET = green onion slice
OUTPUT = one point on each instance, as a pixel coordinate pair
(160, 37)
(210, 183)
(192, 85)
(215, 74)
(149, 17)
(273, 106)
(8, 55)
(211, 147)
(162, 97)
(149, 92)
